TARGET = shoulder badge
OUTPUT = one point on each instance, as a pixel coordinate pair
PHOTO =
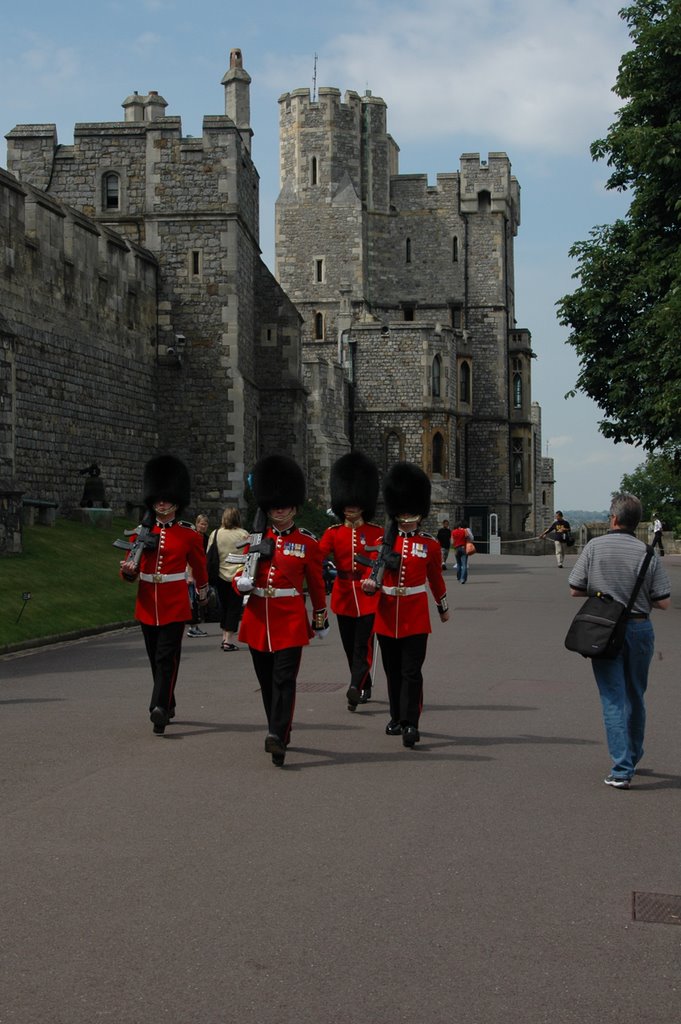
(187, 526)
(428, 535)
(306, 533)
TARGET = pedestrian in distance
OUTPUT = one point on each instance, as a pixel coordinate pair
(610, 564)
(560, 530)
(198, 611)
(352, 545)
(444, 539)
(462, 536)
(409, 563)
(281, 558)
(657, 533)
(161, 548)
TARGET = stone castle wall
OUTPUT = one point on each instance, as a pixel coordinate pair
(78, 332)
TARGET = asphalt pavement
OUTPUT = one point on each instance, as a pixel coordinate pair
(487, 876)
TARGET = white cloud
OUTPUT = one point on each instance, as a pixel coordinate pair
(537, 74)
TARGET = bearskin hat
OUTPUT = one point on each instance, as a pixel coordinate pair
(406, 488)
(166, 478)
(354, 481)
(278, 482)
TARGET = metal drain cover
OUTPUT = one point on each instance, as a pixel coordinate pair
(656, 908)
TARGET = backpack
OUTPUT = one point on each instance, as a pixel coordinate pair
(213, 560)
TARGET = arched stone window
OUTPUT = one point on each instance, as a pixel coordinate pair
(465, 382)
(517, 390)
(393, 449)
(436, 377)
(438, 453)
(314, 170)
(484, 201)
(111, 191)
(319, 326)
(455, 249)
(407, 251)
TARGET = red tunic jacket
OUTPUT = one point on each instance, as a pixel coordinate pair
(398, 614)
(272, 623)
(341, 544)
(159, 603)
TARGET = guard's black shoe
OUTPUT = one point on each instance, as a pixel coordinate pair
(275, 746)
(366, 695)
(393, 728)
(171, 713)
(410, 735)
(159, 716)
(353, 695)
(278, 760)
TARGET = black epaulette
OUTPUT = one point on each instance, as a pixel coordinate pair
(187, 526)
(306, 533)
(428, 535)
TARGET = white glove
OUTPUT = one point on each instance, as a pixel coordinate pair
(244, 584)
(321, 633)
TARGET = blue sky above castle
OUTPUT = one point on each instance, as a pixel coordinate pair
(530, 77)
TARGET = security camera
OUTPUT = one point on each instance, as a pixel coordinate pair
(181, 340)
(170, 351)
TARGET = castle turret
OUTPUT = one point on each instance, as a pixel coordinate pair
(238, 96)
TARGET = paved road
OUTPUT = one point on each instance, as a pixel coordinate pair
(485, 877)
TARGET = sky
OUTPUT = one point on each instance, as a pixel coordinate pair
(532, 78)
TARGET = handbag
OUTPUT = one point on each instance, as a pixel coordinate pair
(213, 560)
(598, 628)
(470, 548)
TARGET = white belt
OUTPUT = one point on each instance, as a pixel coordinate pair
(404, 591)
(161, 577)
(275, 592)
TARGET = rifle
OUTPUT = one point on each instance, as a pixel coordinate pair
(145, 541)
(257, 547)
(387, 558)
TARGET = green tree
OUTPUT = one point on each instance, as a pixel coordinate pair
(658, 484)
(625, 315)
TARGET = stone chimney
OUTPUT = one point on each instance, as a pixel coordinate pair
(238, 96)
(134, 107)
(154, 106)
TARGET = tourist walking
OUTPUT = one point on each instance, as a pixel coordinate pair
(229, 538)
(560, 529)
(610, 564)
(444, 539)
(462, 536)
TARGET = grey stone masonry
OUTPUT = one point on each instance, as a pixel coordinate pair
(224, 360)
(408, 288)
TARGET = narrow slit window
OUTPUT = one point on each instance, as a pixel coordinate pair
(111, 191)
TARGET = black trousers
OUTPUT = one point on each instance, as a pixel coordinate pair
(164, 647)
(231, 605)
(402, 662)
(657, 541)
(358, 644)
(277, 672)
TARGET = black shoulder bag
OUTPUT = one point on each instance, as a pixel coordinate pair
(598, 628)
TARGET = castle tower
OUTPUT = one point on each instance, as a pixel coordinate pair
(407, 290)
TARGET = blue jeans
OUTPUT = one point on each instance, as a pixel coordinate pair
(622, 684)
(461, 564)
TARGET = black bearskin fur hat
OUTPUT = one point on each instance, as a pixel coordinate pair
(406, 488)
(166, 478)
(278, 482)
(354, 481)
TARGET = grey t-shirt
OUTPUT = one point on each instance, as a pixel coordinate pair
(611, 563)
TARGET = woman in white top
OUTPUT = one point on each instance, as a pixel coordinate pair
(227, 537)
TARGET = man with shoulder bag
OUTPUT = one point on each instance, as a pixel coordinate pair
(610, 566)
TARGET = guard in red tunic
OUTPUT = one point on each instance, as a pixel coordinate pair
(159, 552)
(402, 622)
(352, 546)
(281, 559)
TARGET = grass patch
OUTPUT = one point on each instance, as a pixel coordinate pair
(71, 571)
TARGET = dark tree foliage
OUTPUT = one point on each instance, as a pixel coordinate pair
(625, 316)
(658, 484)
